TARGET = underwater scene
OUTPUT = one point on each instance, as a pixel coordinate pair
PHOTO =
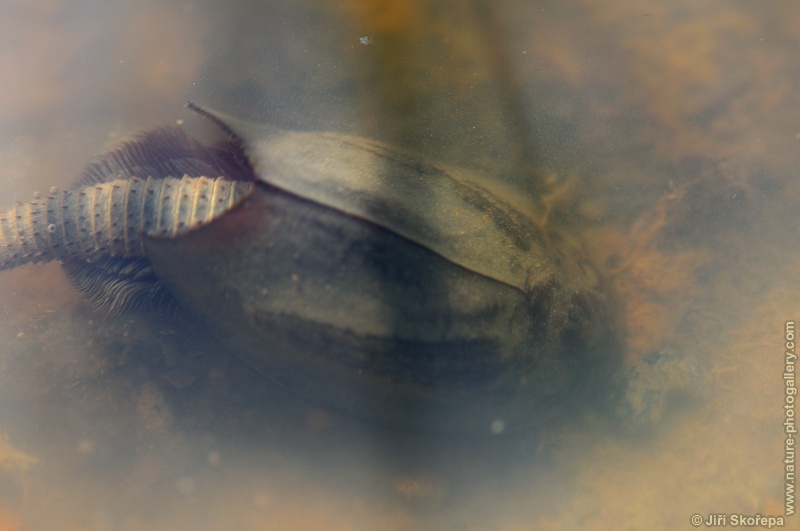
(503, 265)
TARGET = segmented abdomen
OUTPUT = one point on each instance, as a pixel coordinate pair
(110, 219)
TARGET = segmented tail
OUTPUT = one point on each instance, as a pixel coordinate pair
(111, 219)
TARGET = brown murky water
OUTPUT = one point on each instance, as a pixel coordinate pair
(665, 133)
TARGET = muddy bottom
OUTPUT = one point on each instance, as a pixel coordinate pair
(663, 136)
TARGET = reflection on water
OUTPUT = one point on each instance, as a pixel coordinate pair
(663, 134)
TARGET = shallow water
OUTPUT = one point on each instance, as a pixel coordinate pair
(665, 135)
